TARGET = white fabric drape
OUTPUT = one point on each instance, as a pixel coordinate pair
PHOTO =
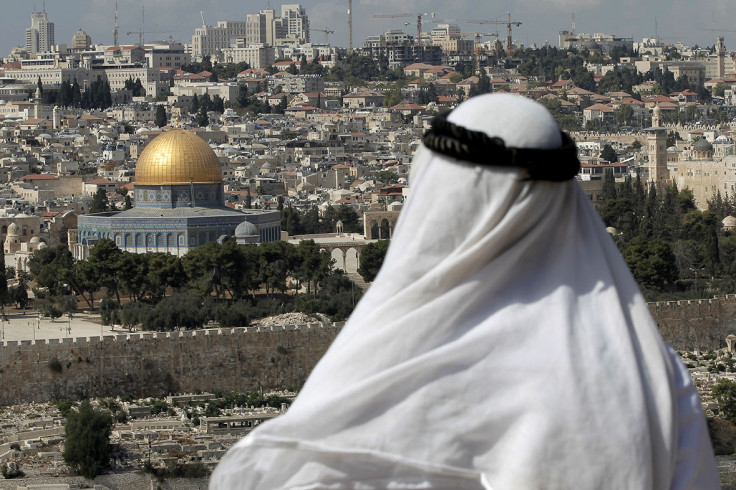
(503, 345)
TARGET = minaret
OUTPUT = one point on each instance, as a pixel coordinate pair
(657, 145)
(37, 104)
(721, 54)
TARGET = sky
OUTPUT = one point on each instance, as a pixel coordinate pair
(676, 20)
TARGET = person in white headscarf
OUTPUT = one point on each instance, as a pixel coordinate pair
(503, 345)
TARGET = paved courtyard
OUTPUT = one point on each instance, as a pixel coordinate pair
(18, 326)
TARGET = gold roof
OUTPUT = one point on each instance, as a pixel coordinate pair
(177, 157)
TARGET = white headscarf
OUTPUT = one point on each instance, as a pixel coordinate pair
(503, 345)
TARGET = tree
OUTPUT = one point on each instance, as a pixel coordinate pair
(160, 119)
(609, 154)
(724, 392)
(202, 119)
(608, 190)
(651, 261)
(87, 445)
(624, 114)
(99, 203)
(4, 293)
(371, 259)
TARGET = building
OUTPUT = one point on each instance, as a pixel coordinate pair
(40, 36)
(166, 55)
(399, 49)
(594, 42)
(81, 41)
(209, 40)
(256, 55)
(296, 22)
(179, 204)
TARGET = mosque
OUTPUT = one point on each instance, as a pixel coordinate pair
(179, 204)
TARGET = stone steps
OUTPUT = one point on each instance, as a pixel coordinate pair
(358, 280)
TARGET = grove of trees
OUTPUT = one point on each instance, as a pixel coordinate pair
(673, 249)
(228, 283)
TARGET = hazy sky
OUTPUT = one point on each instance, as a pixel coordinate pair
(677, 20)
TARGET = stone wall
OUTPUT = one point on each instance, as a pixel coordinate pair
(157, 364)
(701, 324)
(243, 359)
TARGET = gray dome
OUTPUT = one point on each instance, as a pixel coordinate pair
(246, 228)
(729, 222)
(702, 145)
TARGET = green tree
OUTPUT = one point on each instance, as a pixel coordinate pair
(4, 292)
(608, 190)
(609, 154)
(87, 444)
(202, 119)
(651, 261)
(371, 259)
(99, 203)
(724, 392)
(624, 114)
(160, 118)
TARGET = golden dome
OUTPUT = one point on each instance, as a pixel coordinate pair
(177, 157)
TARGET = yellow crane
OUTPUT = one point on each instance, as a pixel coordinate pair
(326, 31)
(508, 23)
(477, 36)
(406, 14)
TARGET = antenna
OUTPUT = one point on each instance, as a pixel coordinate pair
(350, 26)
(573, 23)
(115, 30)
(143, 25)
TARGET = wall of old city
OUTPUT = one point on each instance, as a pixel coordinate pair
(696, 324)
(157, 364)
(243, 359)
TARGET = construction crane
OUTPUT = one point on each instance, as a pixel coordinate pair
(508, 24)
(405, 14)
(141, 33)
(326, 32)
(477, 36)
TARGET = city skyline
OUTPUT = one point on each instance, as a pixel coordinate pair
(675, 22)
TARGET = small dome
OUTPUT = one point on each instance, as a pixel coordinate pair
(222, 239)
(729, 222)
(246, 228)
(702, 145)
(13, 229)
(34, 240)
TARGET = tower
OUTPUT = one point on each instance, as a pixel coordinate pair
(657, 145)
(40, 36)
(721, 54)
